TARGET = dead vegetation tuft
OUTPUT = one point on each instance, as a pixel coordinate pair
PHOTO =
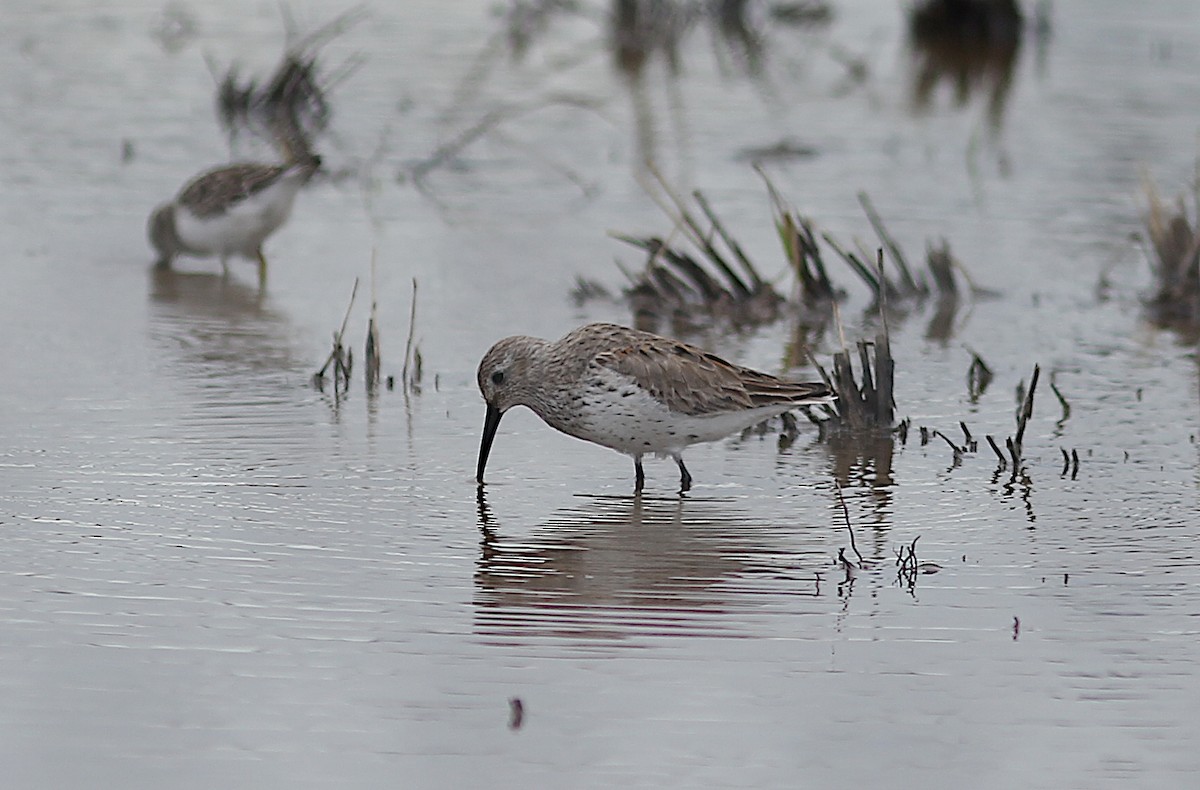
(1175, 259)
(290, 108)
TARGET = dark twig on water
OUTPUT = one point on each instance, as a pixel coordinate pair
(907, 566)
(996, 450)
(971, 445)
(1066, 407)
(958, 451)
(849, 528)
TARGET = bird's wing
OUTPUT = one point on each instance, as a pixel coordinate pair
(217, 190)
(692, 381)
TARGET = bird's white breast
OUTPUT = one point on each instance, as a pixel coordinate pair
(615, 412)
(244, 226)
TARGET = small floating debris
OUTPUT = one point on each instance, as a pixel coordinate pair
(782, 151)
(516, 713)
(175, 28)
(801, 13)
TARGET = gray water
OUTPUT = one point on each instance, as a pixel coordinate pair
(213, 574)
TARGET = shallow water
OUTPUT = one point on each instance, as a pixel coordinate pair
(213, 573)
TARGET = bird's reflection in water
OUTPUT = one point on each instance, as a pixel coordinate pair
(218, 326)
(620, 567)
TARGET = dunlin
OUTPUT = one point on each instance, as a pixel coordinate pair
(632, 391)
(228, 211)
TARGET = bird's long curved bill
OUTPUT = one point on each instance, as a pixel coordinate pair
(490, 423)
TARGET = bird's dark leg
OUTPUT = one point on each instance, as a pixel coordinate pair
(685, 479)
(262, 269)
(639, 475)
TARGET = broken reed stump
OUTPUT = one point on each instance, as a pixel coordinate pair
(868, 400)
(410, 374)
(372, 353)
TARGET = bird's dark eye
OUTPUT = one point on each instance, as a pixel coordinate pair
(498, 377)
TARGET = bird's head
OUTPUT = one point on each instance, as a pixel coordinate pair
(507, 375)
(161, 231)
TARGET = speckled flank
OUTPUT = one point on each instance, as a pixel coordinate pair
(632, 391)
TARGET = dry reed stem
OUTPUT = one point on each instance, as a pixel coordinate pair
(410, 374)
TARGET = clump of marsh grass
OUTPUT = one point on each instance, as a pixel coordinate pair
(341, 358)
(290, 108)
(700, 274)
(1016, 444)
(1174, 234)
(704, 277)
(866, 400)
(340, 361)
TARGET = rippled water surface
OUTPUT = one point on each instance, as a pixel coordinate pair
(213, 574)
